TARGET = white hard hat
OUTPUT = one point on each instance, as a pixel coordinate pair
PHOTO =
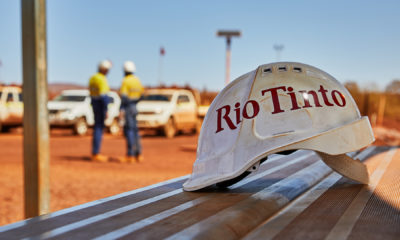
(275, 108)
(129, 66)
(105, 64)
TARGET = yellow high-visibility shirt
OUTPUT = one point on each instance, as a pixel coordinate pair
(98, 85)
(131, 87)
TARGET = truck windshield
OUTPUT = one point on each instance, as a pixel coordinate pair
(69, 98)
(157, 97)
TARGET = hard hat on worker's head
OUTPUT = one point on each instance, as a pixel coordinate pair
(105, 65)
(129, 67)
(276, 108)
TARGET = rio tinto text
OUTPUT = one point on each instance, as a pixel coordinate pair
(319, 97)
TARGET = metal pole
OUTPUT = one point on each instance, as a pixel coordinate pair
(36, 128)
(228, 61)
(228, 35)
(160, 68)
(278, 49)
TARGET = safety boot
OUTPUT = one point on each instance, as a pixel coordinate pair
(139, 158)
(127, 159)
(99, 158)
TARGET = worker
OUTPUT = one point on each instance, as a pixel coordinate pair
(131, 91)
(98, 87)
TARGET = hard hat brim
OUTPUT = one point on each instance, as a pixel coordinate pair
(347, 138)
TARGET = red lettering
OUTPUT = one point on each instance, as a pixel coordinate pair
(337, 93)
(256, 109)
(226, 117)
(292, 95)
(315, 97)
(323, 92)
(306, 97)
(249, 112)
(237, 111)
(275, 98)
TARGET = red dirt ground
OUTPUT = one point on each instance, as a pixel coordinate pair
(76, 180)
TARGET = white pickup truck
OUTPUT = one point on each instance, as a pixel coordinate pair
(11, 107)
(169, 110)
(73, 109)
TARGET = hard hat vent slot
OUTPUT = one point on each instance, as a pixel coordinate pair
(282, 69)
(297, 69)
(268, 70)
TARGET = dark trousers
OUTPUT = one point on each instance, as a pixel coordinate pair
(131, 130)
(99, 105)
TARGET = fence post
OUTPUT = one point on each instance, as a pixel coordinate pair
(366, 103)
(36, 128)
(381, 109)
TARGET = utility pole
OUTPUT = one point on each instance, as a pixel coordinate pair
(228, 35)
(278, 48)
(160, 66)
(1, 65)
(36, 126)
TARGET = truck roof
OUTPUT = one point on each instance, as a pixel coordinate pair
(10, 88)
(84, 92)
(166, 91)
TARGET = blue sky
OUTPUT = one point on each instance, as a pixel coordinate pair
(351, 40)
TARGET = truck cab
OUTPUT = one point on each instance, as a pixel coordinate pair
(168, 110)
(11, 107)
(73, 109)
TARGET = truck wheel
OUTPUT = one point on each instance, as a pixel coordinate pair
(5, 129)
(114, 128)
(169, 128)
(197, 127)
(81, 127)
